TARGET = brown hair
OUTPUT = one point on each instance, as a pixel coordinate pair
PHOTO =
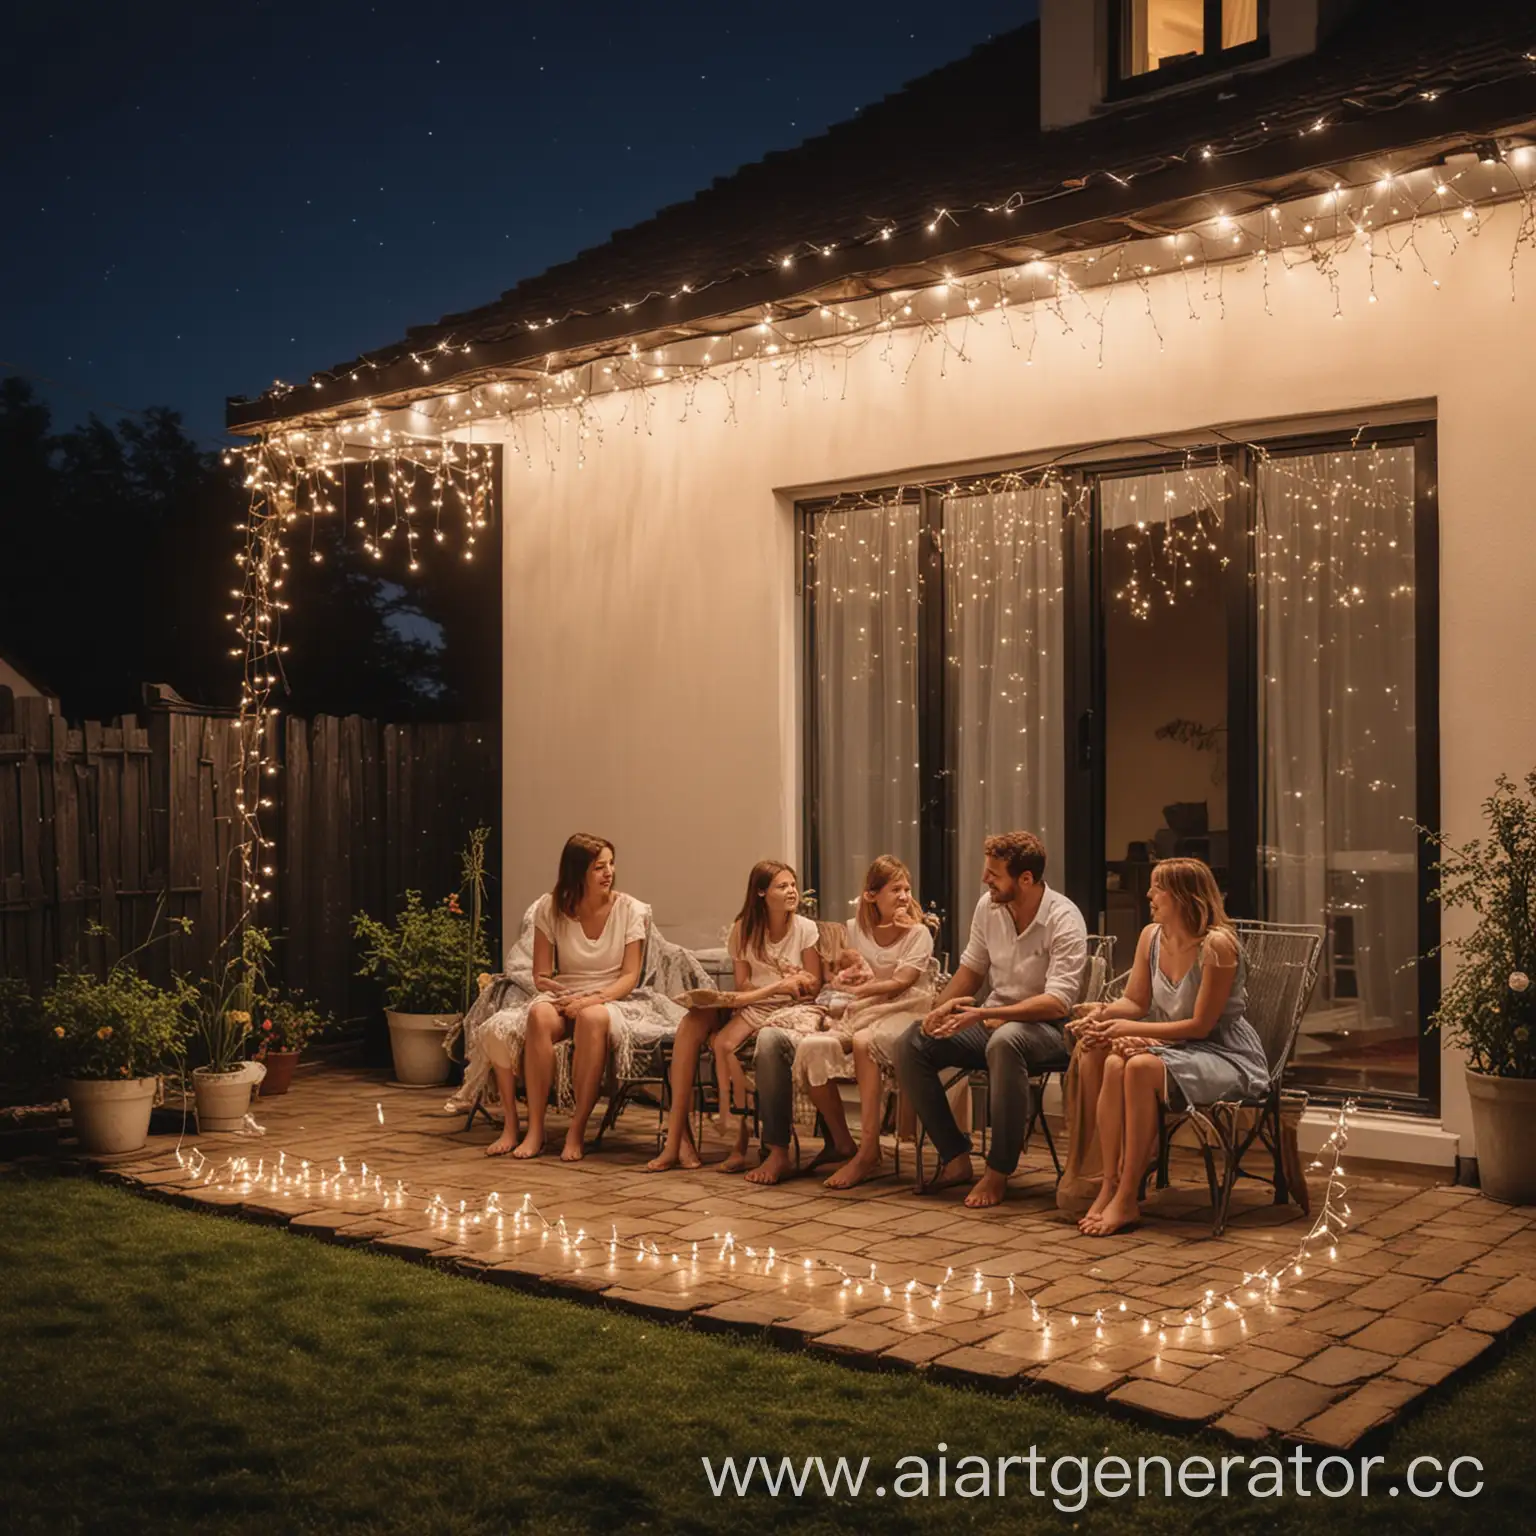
(576, 859)
(752, 920)
(1022, 852)
(1191, 887)
(880, 874)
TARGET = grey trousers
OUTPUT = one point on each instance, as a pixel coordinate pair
(1009, 1053)
(775, 1084)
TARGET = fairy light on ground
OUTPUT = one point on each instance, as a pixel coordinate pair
(1116, 1319)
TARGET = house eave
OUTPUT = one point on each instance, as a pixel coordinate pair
(1101, 211)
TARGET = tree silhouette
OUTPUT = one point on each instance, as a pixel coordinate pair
(117, 551)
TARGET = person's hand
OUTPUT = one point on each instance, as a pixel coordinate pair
(1084, 1012)
(940, 1022)
(1130, 1045)
(573, 1002)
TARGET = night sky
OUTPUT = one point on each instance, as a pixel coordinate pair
(201, 197)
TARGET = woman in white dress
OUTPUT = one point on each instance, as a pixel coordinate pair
(778, 967)
(587, 945)
(887, 989)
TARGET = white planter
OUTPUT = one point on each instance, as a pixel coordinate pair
(416, 1042)
(224, 1098)
(1504, 1124)
(111, 1116)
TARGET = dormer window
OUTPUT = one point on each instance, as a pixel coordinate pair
(1162, 42)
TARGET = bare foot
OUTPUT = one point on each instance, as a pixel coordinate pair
(862, 1165)
(573, 1151)
(529, 1146)
(1091, 1216)
(684, 1157)
(503, 1143)
(733, 1164)
(990, 1189)
(956, 1171)
(1120, 1214)
(772, 1168)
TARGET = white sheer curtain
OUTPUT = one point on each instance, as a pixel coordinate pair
(1336, 569)
(864, 588)
(1239, 22)
(1004, 686)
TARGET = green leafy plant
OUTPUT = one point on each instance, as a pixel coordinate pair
(428, 959)
(286, 1024)
(221, 1011)
(119, 1026)
(1488, 1007)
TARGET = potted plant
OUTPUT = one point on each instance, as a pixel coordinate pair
(110, 1038)
(1488, 1007)
(280, 1029)
(427, 961)
(221, 1013)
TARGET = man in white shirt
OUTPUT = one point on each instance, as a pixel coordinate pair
(1031, 944)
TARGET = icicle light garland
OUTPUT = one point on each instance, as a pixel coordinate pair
(1324, 228)
(1118, 1318)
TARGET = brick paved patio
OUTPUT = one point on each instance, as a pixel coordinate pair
(1427, 1278)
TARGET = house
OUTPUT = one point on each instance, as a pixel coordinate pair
(1116, 432)
(20, 682)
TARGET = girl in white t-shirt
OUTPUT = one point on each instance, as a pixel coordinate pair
(778, 968)
(888, 987)
(588, 943)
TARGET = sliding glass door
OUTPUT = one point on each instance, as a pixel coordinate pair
(1228, 654)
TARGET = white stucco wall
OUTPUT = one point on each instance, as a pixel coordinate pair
(652, 688)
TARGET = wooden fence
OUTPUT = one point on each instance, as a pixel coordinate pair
(111, 825)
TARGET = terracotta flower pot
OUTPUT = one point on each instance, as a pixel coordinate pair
(279, 1078)
(111, 1116)
(416, 1041)
(1504, 1125)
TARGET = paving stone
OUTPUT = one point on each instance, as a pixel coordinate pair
(1272, 1362)
(1158, 1369)
(1343, 1364)
(969, 1366)
(1455, 1347)
(1285, 1402)
(748, 1312)
(1517, 1295)
(654, 1304)
(1487, 1320)
(856, 1342)
(1340, 1319)
(1343, 1423)
(1437, 1306)
(918, 1350)
(1384, 1294)
(1240, 1428)
(1393, 1335)
(1081, 1378)
(1183, 1403)
(792, 1332)
(410, 1245)
(1425, 1373)
(1229, 1379)
(1299, 1343)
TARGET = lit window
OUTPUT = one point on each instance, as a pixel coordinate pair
(1185, 35)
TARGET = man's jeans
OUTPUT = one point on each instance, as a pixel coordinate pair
(775, 1084)
(1009, 1053)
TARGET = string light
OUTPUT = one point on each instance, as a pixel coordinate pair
(1116, 1317)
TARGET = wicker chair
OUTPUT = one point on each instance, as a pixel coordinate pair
(1283, 960)
(1096, 980)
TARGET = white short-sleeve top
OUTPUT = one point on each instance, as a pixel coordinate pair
(911, 947)
(595, 961)
(777, 960)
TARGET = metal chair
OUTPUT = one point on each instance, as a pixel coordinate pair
(1101, 955)
(1283, 961)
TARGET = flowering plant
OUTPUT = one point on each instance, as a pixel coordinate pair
(221, 1010)
(428, 958)
(1488, 1007)
(120, 1026)
(286, 1024)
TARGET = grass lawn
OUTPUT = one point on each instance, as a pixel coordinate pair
(170, 1371)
